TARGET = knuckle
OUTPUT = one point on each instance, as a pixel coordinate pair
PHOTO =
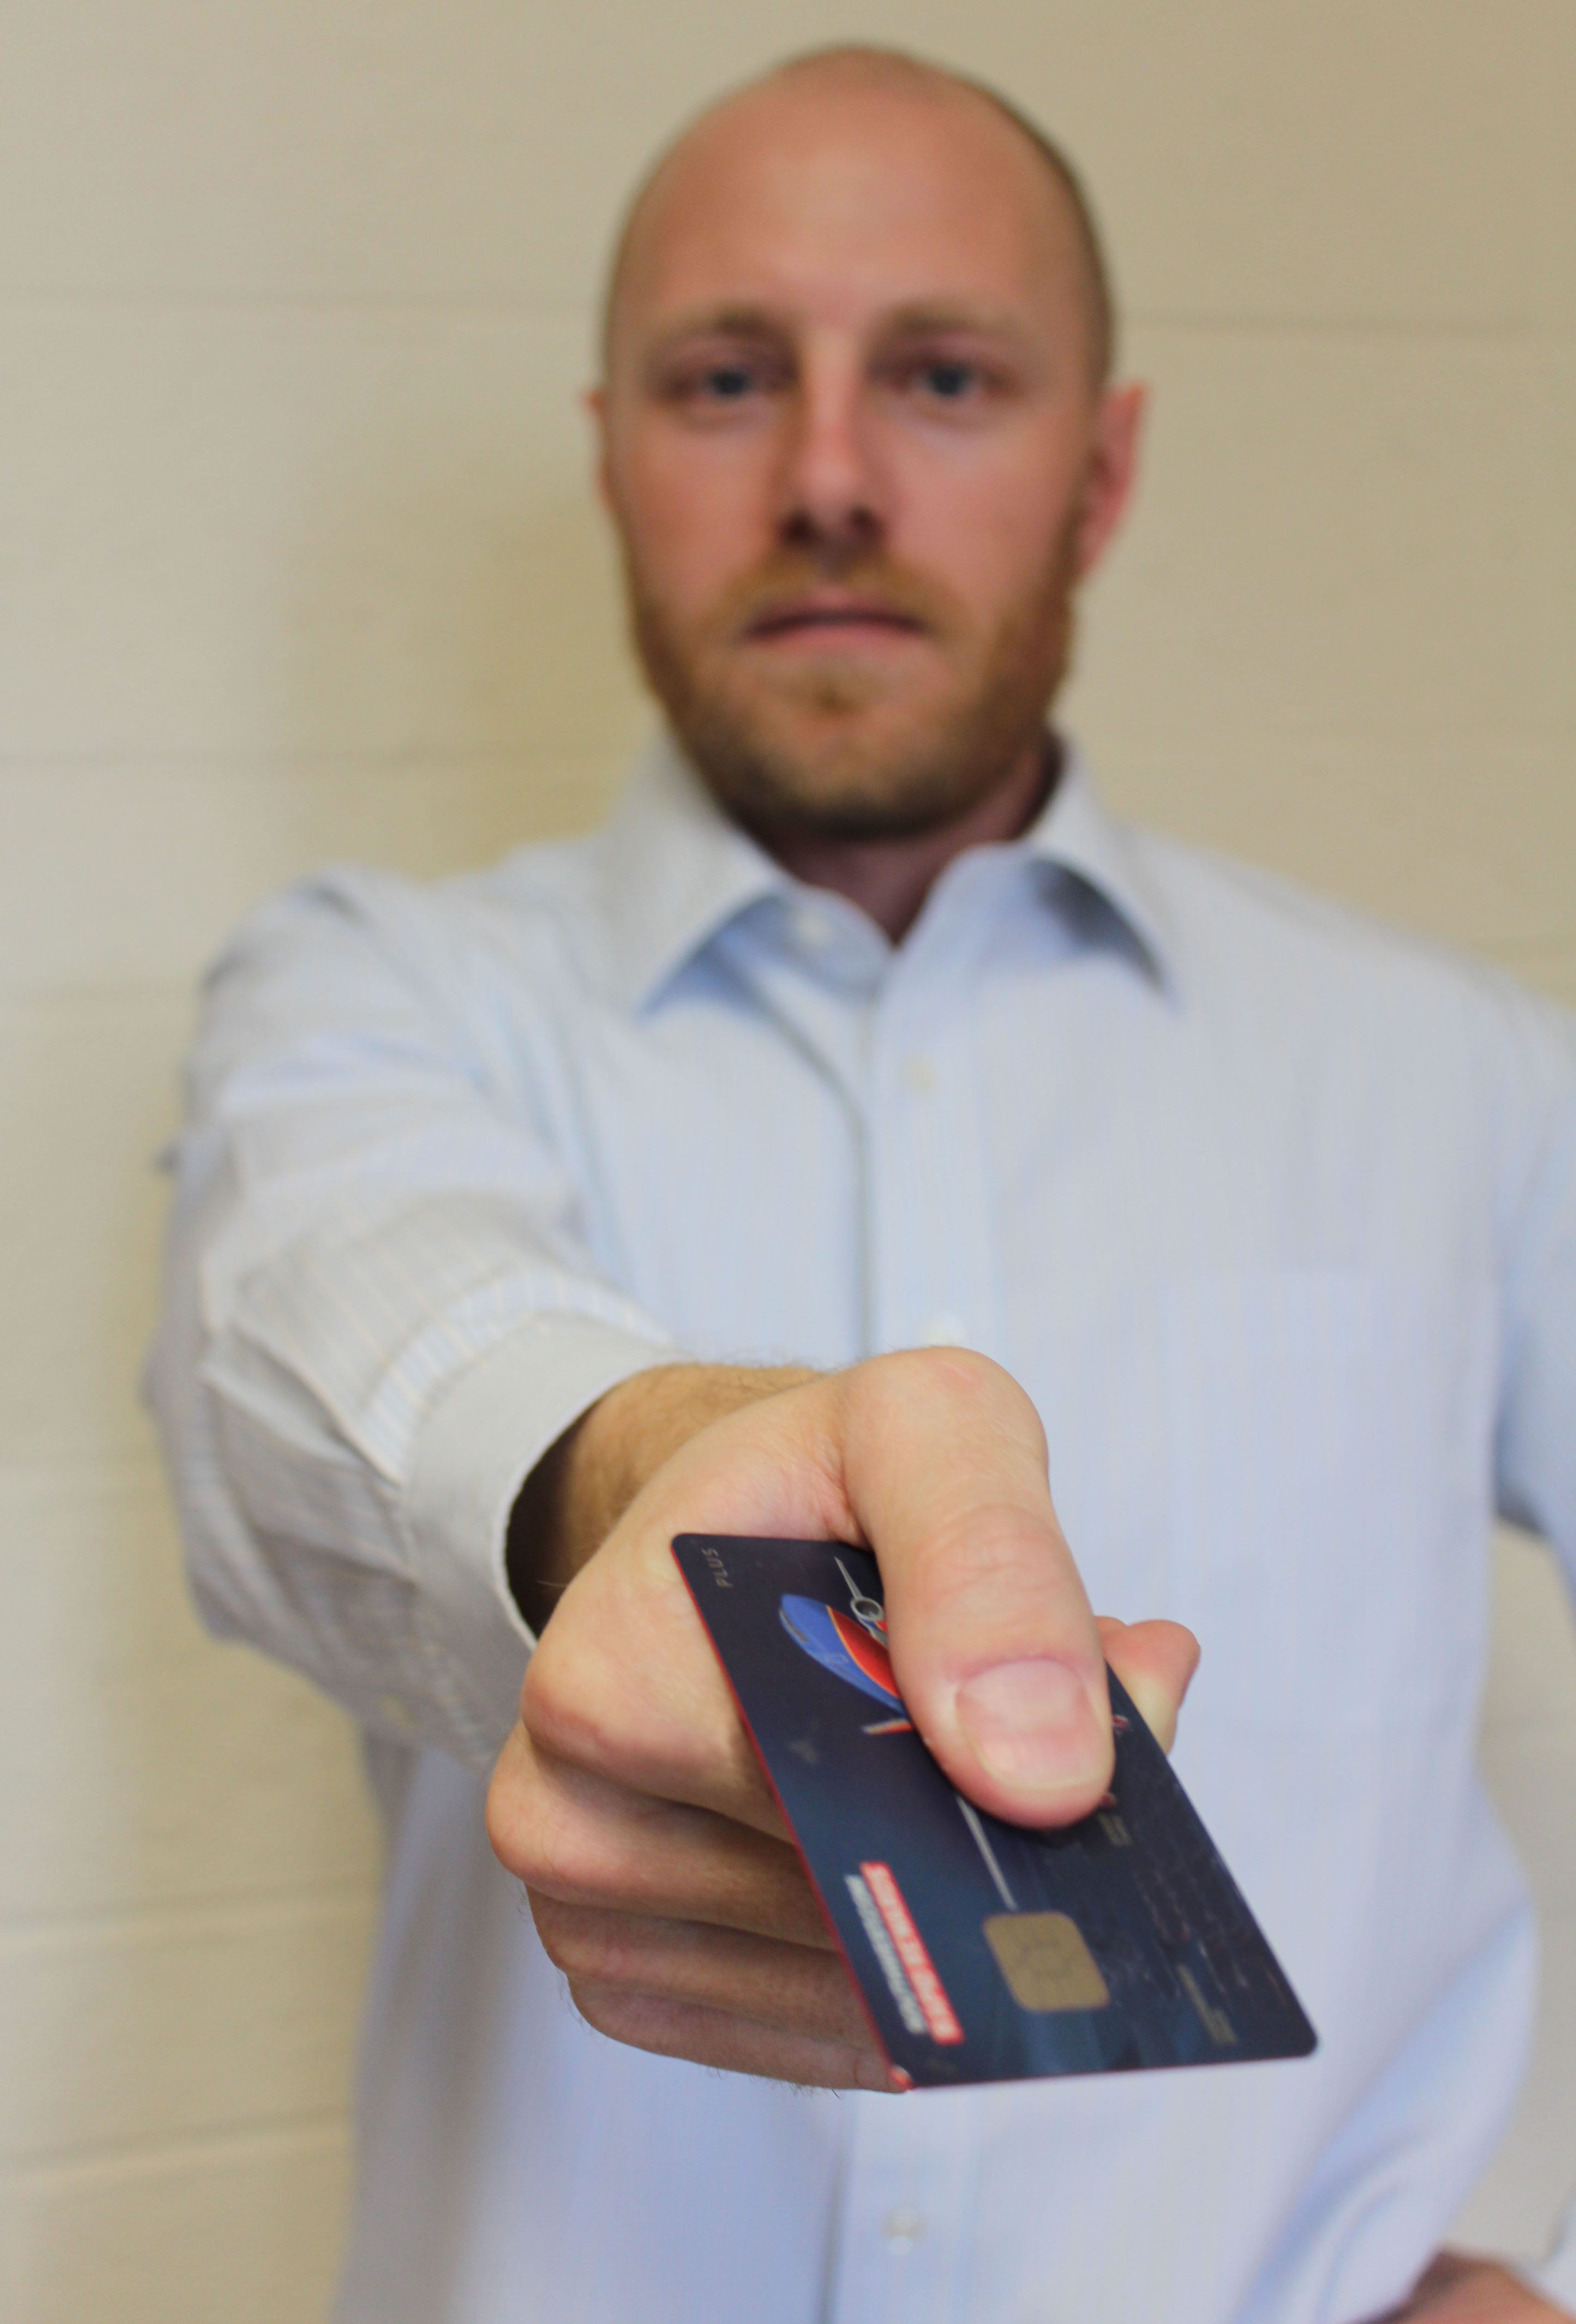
(542, 1840)
(554, 1931)
(605, 2009)
(594, 1946)
(547, 1709)
(978, 1390)
(568, 1935)
(614, 1950)
(570, 1703)
(590, 2000)
(563, 1865)
(507, 1805)
(958, 1371)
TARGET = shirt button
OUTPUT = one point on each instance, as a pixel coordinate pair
(812, 928)
(919, 1076)
(902, 2228)
(942, 1331)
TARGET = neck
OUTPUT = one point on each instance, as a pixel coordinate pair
(890, 879)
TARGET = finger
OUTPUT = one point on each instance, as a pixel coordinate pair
(994, 1643)
(785, 1988)
(576, 1837)
(1444, 2271)
(733, 2044)
(1155, 1661)
(624, 1682)
(1460, 2289)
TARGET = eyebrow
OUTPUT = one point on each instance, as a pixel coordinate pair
(722, 322)
(920, 319)
(941, 316)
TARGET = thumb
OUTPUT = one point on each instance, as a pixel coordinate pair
(993, 1644)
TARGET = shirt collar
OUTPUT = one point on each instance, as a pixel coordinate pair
(1076, 833)
(675, 871)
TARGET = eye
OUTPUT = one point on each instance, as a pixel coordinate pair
(727, 383)
(961, 385)
(708, 383)
(948, 378)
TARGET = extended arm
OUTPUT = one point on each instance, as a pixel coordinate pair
(395, 1380)
(381, 1311)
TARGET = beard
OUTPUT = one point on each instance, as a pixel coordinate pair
(833, 746)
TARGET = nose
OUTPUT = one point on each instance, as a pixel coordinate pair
(832, 500)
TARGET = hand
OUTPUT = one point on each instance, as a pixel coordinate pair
(1458, 2289)
(628, 1799)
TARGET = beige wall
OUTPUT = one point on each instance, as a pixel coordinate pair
(297, 560)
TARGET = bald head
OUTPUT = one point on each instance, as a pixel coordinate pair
(859, 445)
(777, 114)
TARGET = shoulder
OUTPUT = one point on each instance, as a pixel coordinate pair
(1328, 1017)
(534, 911)
(357, 967)
(1248, 942)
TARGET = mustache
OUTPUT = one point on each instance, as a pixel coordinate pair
(782, 587)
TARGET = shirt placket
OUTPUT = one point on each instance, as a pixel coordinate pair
(932, 1266)
(903, 2251)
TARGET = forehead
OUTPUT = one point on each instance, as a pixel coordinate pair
(840, 204)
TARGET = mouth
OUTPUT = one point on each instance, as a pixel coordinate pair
(854, 618)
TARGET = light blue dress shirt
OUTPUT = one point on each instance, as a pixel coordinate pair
(1274, 1215)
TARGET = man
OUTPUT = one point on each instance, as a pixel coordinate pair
(529, 1221)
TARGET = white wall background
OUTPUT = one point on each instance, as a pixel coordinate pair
(298, 559)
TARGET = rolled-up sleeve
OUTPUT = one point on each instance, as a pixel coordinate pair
(379, 1312)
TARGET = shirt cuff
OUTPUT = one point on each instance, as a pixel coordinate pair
(472, 1453)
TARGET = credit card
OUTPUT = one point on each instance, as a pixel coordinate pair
(985, 1952)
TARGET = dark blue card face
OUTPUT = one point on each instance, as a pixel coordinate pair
(984, 1952)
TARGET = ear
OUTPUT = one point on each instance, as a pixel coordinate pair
(1112, 471)
(593, 403)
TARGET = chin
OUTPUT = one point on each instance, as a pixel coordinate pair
(836, 788)
(824, 770)
(822, 749)
(888, 763)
